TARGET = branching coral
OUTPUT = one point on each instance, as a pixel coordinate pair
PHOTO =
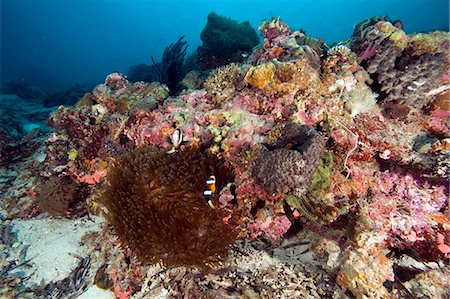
(222, 81)
(155, 203)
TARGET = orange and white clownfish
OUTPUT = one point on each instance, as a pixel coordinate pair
(210, 190)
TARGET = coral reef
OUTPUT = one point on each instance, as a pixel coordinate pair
(406, 67)
(284, 45)
(284, 176)
(223, 81)
(225, 41)
(254, 272)
(155, 203)
(360, 100)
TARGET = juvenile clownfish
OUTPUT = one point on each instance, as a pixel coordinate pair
(210, 190)
(176, 139)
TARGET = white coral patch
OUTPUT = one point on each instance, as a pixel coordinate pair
(360, 100)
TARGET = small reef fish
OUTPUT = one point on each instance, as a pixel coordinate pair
(176, 139)
(210, 190)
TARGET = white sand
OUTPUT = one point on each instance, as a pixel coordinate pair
(53, 245)
(96, 293)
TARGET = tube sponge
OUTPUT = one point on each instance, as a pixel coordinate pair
(155, 203)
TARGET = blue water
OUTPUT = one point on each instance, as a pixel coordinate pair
(54, 44)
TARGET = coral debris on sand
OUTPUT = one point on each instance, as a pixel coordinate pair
(346, 147)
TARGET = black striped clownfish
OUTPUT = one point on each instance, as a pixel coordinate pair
(210, 190)
(176, 139)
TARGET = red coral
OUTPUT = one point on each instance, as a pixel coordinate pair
(368, 52)
(272, 227)
(440, 122)
(409, 210)
(116, 81)
(274, 29)
(89, 172)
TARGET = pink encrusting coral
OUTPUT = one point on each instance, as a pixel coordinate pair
(408, 211)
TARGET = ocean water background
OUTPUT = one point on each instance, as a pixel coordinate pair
(54, 44)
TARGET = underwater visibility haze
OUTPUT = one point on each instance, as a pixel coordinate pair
(56, 44)
(224, 149)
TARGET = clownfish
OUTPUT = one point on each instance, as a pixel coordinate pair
(210, 190)
(176, 139)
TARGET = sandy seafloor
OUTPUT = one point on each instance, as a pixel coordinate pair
(53, 250)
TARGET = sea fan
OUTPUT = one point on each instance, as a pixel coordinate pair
(155, 203)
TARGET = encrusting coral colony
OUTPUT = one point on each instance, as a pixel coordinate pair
(346, 147)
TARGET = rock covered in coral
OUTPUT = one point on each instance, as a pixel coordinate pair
(23, 90)
(274, 28)
(116, 81)
(375, 187)
(170, 71)
(60, 196)
(406, 67)
(141, 72)
(223, 81)
(289, 171)
(225, 41)
(66, 97)
(420, 227)
(284, 45)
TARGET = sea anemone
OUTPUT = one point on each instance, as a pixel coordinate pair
(156, 205)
